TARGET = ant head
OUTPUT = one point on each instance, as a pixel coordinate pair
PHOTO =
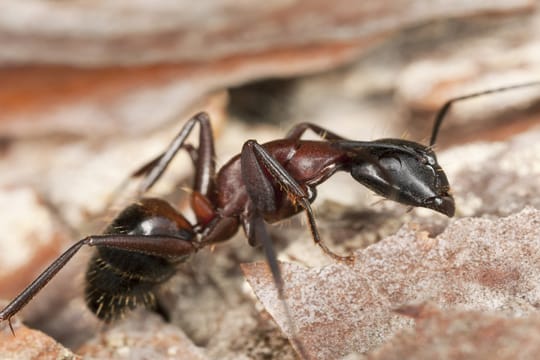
(403, 171)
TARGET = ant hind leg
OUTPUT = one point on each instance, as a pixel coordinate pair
(154, 245)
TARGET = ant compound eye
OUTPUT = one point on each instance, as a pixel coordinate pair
(426, 157)
(430, 159)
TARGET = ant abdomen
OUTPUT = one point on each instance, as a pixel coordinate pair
(120, 280)
(112, 288)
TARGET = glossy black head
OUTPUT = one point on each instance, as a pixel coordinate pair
(403, 171)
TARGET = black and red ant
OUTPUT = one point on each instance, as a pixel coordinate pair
(268, 182)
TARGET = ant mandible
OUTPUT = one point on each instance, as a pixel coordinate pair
(268, 182)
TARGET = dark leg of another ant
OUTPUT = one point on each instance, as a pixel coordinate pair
(254, 159)
(298, 130)
(165, 246)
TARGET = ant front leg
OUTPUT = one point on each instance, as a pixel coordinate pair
(163, 246)
(254, 161)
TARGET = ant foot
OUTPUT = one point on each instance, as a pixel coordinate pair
(11, 326)
(8, 319)
(349, 260)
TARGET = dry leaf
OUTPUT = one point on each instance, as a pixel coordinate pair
(476, 263)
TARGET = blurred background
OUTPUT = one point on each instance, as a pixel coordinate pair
(90, 90)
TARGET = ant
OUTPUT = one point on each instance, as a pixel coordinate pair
(145, 243)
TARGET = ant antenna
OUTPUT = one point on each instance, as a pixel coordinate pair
(446, 107)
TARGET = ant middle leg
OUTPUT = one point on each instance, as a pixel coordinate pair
(146, 168)
(203, 158)
(255, 160)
